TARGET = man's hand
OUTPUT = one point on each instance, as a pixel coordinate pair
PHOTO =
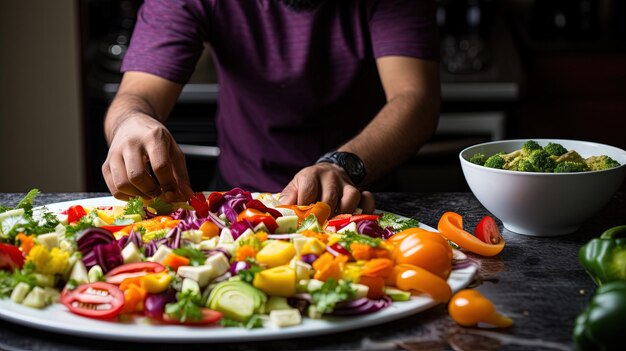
(328, 183)
(141, 142)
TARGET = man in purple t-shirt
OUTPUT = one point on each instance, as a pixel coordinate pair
(317, 98)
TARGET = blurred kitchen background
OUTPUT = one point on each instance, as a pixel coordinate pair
(510, 69)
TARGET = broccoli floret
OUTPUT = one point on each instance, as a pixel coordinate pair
(525, 166)
(495, 161)
(478, 159)
(598, 163)
(541, 161)
(569, 166)
(529, 147)
(554, 149)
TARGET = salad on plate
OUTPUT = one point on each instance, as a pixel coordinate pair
(229, 259)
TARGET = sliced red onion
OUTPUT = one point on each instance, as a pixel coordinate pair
(360, 306)
(299, 303)
(464, 263)
(238, 266)
(154, 306)
(174, 238)
(308, 258)
(370, 228)
(215, 219)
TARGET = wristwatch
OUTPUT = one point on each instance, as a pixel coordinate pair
(351, 163)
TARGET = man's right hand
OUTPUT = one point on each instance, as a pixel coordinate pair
(139, 143)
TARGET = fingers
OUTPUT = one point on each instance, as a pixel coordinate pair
(327, 183)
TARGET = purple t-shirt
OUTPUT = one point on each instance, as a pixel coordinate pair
(293, 84)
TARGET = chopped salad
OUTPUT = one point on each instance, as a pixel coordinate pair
(229, 259)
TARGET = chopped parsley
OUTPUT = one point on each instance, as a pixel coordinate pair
(187, 308)
(255, 321)
(135, 206)
(247, 275)
(351, 237)
(332, 292)
(397, 223)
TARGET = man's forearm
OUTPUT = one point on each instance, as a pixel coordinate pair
(396, 133)
(125, 106)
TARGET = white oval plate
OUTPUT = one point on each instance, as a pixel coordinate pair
(56, 318)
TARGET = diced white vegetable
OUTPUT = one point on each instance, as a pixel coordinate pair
(192, 285)
(285, 318)
(19, 292)
(225, 237)
(62, 219)
(209, 244)
(44, 280)
(244, 235)
(52, 295)
(36, 298)
(261, 227)
(11, 213)
(160, 254)
(66, 245)
(214, 266)
(303, 270)
(349, 228)
(220, 263)
(193, 235)
(60, 230)
(314, 284)
(79, 273)
(130, 253)
(298, 243)
(286, 224)
(49, 240)
(361, 290)
(98, 222)
(230, 247)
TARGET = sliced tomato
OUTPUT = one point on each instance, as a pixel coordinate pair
(209, 316)
(487, 231)
(95, 300)
(343, 220)
(131, 270)
(215, 200)
(255, 217)
(11, 257)
(114, 228)
(198, 202)
(75, 213)
(338, 249)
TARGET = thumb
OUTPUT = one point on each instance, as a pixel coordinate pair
(289, 195)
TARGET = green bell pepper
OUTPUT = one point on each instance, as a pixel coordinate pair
(602, 325)
(604, 258)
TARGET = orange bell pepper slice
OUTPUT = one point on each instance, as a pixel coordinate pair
(408, 277)
(321, 210)
(174, 261)
(423, 248)
(469, 307)
(451, 227)
(329, 266)
(378, 267)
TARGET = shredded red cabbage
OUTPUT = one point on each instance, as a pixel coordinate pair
(215, 219)
(371, 228)
(237, 228)
(108, 256)
(151, 247)
(236, 199)
(134, 237)
(91, 237)
(173, 238)
(183, 214)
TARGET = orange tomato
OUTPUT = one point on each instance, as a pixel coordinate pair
(451, 227)
(468, 308)
(423, 248)
(413, 278)
(321, 210)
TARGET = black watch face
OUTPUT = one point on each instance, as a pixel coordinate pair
(353, 166)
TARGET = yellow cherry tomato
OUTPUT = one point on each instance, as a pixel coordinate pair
(469, 307)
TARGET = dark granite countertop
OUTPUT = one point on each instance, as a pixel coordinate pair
(536, 281)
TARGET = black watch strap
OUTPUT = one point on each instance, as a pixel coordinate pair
(351, 163)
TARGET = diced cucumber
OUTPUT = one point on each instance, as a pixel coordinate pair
(95, 274)
(349, 228)
(360, 290)
(286, 317)
(303, 270)
(225, 237)
(190, 285)
(298, 244)
(209, 244)
(134, 217)
(397, 295)
(79, 273)
(36, 298)
(193, 235)
(247, 233)
(99, 222)
(276, 303)
(44, 280)
(19, 292)
(286, 224)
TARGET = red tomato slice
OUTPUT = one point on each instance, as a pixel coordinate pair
(199, 203)
(95, 300)
(75, 213)
(487, 231)
(343, 220)
(114, 228)
(10, 257)
(209, 316)
(215, 200)
(131, 270)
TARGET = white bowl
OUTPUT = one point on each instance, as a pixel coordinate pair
(543, 204)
